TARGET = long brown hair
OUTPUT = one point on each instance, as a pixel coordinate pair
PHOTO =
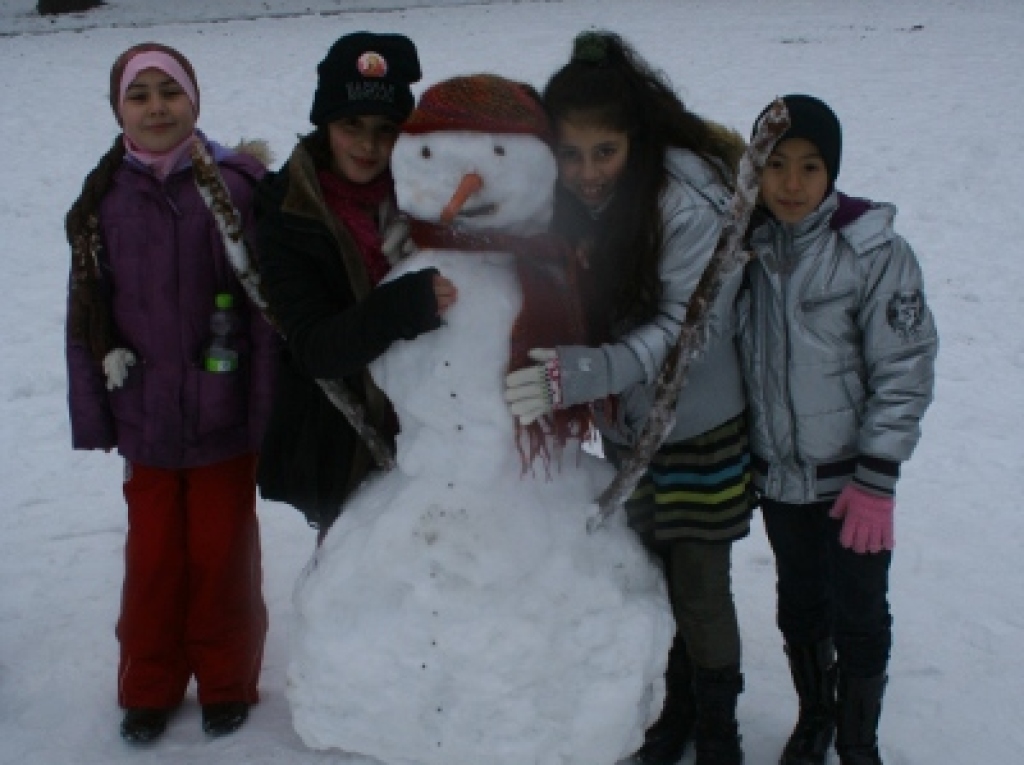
(89, 320)
(317, 144)
(606, 83)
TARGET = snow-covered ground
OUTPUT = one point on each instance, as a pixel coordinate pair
(933, 113)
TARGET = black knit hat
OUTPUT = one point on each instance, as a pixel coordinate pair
(366, 73)
(812, 119)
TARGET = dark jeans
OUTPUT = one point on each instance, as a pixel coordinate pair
(827, 590)
(700, 587)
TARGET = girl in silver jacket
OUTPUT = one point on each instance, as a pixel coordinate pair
(644, 185)
(838, 348)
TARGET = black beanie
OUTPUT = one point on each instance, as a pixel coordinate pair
(812, 119)
(366, 73)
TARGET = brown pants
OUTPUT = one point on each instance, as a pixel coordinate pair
(192, 602)
(700, 588)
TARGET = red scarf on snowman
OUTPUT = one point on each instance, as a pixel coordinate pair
(548, 273)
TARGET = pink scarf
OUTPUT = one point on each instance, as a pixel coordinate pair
(356, 205)
(162, 163)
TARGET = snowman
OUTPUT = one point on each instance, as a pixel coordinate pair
(459, 611)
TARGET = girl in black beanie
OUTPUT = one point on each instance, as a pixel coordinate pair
(321, 258)
(839, 350)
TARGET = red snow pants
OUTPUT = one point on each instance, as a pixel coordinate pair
(192, 602)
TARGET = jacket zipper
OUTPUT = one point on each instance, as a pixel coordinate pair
(785, 280)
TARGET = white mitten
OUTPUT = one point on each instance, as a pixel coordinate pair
(534, 391)
(115, 365)
(395, 240)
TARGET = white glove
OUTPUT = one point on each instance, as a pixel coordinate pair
(395, 240)
(115, 365)
(534, 391)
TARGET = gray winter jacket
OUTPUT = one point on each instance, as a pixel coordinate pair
(693, 206)
(838, 349)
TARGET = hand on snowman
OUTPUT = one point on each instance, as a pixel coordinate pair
(536, 390)
(445, 293)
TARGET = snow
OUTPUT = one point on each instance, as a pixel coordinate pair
(451, 587)
(930, 99)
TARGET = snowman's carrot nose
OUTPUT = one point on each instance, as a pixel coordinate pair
(468, 186)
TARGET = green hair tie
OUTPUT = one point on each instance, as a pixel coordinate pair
(590, 48)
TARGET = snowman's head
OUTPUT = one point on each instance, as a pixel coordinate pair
(488, 129)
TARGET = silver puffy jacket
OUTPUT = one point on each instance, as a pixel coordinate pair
(693, 207)
(838, 348)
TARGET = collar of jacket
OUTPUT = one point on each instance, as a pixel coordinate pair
(870, 229)
(304, 200)
(303, 196)
(796, 238)
(248, 158)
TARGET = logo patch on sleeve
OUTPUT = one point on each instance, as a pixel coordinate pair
(905, 313)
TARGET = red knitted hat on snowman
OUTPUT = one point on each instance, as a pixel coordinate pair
(481, 103)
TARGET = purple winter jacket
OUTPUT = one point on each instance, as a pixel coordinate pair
(163, 262)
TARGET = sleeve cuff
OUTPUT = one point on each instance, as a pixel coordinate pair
(584, 374)
(877, 475)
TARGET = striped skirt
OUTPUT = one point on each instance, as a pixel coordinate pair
(698, 489)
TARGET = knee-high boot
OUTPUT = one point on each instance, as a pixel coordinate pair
(717, 738)
(666, 740)
(814, 676)
(860, 708)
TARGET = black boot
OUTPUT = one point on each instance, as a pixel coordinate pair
(814, 677)
(224, 718)
(860, 707)
(665, 741)
(141, 725)
(717, 738)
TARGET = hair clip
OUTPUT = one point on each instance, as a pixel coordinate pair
(590, 48)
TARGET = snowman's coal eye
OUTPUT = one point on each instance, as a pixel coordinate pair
(499, 150)
(425, 152)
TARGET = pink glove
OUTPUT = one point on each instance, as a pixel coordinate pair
(867, 520)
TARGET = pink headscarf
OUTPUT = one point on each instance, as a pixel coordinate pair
(165, 162)
(154, 59)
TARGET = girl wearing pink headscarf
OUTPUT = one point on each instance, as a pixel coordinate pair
(148, 269)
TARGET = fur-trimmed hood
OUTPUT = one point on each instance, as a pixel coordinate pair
(730, 140)
(256, 148)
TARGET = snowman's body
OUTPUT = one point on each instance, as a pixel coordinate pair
(458, 612)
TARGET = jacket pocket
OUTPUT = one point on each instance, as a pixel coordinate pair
(222, 401)
(127, 400)
(855, 391)
(810, 304)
